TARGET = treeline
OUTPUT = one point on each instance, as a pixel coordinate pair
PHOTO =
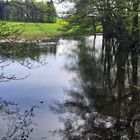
(27, 11)
(116, 17)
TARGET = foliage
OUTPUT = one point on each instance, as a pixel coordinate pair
(118, 18)
(7, 30)
(27, 11)
(51, 12)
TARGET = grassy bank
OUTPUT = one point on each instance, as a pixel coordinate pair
(79, 31)
(32, 31)
(35, 31)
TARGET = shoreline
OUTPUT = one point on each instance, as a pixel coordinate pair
(38, 39)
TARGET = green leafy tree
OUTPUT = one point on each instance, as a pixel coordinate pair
(51, 12)
(27, 11)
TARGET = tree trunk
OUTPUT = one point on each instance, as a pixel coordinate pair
(135, 40)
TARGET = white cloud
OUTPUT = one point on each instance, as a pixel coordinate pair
(62, 8)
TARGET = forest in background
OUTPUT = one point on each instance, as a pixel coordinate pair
(28, 11)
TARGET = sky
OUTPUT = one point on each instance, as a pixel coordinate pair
(61, 7)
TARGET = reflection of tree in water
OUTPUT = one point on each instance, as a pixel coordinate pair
(19, 124)
(28, 55)
(105, 105)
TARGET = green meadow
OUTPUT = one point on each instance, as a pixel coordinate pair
(31, 31)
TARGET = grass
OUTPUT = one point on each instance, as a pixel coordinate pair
(80, 30)
(32, 31)
(35, 31)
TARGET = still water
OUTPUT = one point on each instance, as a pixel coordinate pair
(71, 89)
(40, 81)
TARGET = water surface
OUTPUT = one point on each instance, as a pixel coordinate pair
(41, 79)
(71, 89)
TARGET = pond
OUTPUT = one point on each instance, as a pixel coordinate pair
(35, 81)
(71, 89)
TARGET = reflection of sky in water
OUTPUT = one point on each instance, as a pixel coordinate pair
(98, 44)
(46, 83)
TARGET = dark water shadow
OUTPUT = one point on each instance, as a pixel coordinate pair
(104, 101)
